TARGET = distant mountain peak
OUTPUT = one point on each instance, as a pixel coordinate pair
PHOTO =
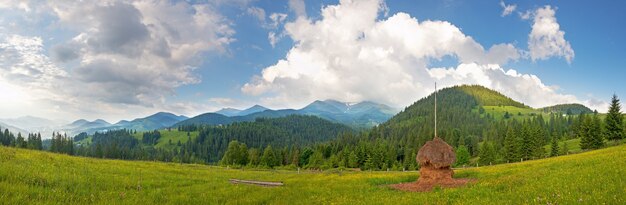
(251, 110)
(101, 121)
(79, 122)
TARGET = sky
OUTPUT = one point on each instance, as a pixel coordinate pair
(117, 59)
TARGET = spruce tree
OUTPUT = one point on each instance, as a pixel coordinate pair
(614, 121)
(487, 154)
(462, 155)
(511, 146)
(590, 133)
(554, 147)
(596, 133)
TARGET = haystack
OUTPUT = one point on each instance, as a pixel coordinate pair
(435, 159)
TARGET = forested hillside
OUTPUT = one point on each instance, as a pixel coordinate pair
(209, 145)
(483, 126)
(568, 109)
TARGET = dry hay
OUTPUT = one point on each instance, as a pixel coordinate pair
(435, 159)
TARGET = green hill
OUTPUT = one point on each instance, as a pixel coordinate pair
(488, 97)
(569, 109)
(207, 144)
(28, 177)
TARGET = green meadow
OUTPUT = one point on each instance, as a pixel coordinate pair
(26, 176)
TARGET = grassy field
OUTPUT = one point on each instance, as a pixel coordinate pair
(26, 176)
(516, 112)
(573, 145)
(174, 135)
(164, 142)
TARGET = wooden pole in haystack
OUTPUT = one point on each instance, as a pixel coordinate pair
(435, 110)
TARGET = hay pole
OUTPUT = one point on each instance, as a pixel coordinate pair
(260, 183)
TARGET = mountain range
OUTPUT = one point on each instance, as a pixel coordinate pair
(230, 112)
(360, 115)
(156, 121)
(357, 115)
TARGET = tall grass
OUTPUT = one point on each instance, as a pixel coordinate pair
(596, 177)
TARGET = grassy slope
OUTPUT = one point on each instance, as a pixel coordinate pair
(38, 177)
(498, 112)
(167, 135)
(573, 145)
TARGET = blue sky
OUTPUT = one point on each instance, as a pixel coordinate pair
(121, 60)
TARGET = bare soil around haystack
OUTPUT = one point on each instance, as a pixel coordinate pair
(427, 185)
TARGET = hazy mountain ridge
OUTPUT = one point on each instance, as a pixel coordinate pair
(364, 114)
(357, 115)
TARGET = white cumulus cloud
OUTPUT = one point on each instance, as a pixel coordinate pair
(351, 55)
(507, 9)
(120, 55)
(546, 38)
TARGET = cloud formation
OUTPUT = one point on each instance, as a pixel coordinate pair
(298, 7)
(349, 54)
(507, 9)
(546, 38)
(120, 54)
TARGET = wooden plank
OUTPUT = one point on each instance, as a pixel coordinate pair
(259, 183)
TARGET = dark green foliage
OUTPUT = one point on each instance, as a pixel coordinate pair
(316, 160)
(462, 155)
(81, 136)
(7, 138)
(236, 154)
(62, 144)
(487, 154)
(554, 147)
(293, 130)
(590, 133)
(512, 145)
(19, 141)
(614, 121)
(33, 141)
(568, 109)
(269, 158)
(151, 138)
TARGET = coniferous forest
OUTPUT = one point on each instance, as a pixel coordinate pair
(480, 137)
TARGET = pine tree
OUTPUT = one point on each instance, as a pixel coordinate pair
(487, 154)
(20, 142)
(462, 155)
(353, 160)
(590, 133)
(614, 121)
(596, 133)
(511, 146)
(554, 147)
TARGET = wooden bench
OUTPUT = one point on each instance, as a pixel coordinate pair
(259, 183)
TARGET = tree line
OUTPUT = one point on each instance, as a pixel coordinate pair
(314, 143)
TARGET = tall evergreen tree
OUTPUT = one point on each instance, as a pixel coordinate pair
(614, 121)
(462, 155)
(590, 133)
(554, 147)
(511, 146)
(487, 154)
